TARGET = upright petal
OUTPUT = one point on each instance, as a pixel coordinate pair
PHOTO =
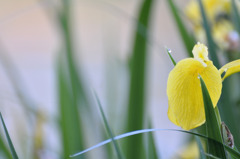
(186, 107)
(230, 68)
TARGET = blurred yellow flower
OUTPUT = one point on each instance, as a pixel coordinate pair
(189, 151)
(184, 92)
(221, 32)
(213, 8)
(219, 15)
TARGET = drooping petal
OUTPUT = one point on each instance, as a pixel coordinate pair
(186, 107)
(230, 68)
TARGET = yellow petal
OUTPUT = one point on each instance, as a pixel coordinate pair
(186, 107)
(230, 68)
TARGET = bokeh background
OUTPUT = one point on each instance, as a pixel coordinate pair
(103, 34)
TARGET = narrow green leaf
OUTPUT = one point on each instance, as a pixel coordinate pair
(152, 149)
(235, 15)
(79, 93)
(170, 55)
(212, 126)
(4, 149)
(12, 149)
(211, 156)
(136, 106)
(72, 136)
(188, 40)
(119, 154)
(72, 95)
(151, 145)
(228, 111)
(201, 149)
(232, 152)
(25, 100)
(211, 45)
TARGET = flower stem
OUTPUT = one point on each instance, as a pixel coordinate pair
(218, 116)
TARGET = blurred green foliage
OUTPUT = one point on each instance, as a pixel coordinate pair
(75, 109)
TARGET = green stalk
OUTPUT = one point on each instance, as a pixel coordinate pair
(212, 126)
(71, 91)
(187, 39)
(211, 44)
(4, 149)
(12, 149)
(115, 144)
(136, 107)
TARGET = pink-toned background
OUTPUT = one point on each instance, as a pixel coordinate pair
(30, 36)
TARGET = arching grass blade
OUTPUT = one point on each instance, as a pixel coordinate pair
(230, 150)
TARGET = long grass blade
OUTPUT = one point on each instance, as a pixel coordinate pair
(170, 55)
(79, 93)
(12, 149)
(212, 125)
(230, 150)
(136, 107)
(211, 156)
(235, 15)
(119, 154)
(72, 94)
(29, 106)
(187, 39)
(4, 149)
(201, 149)
(151, 145)
(72, 136)
(211, 45)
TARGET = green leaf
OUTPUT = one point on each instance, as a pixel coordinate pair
(136, 104)
(4, 149)
(228, 111)
(188, 40)
(212, 126)
(72, 136)
(151, 145)
(170, 55)
(12, 149)
(152, 149)
(211, 156)
(79, 93)
(119, 154)
(235, 14)
(232, 152)
(211, 45)
(73, 99)
(201, 149)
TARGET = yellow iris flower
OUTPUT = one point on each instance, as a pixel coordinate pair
(184, 92)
